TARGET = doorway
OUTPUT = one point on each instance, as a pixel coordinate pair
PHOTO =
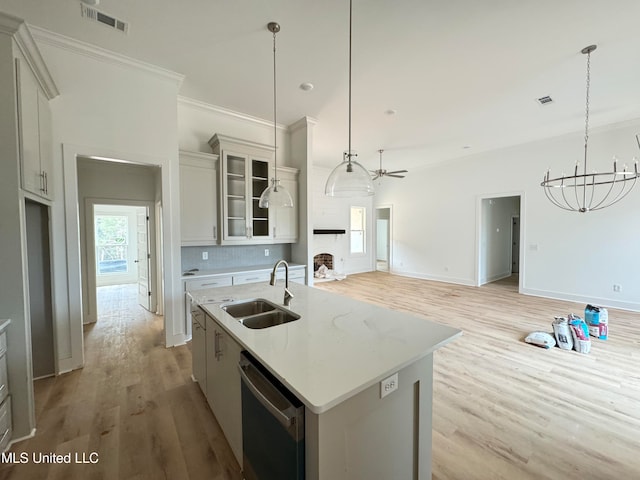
(383, 238)
(40, 297)
(119, 251)
(499, 240)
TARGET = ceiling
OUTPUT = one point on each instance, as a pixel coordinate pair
(462, 76)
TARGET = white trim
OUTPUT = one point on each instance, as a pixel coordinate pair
(521, 275)
(304, 122)
(20, 439)
(389, 240)
(570, 297)
(435, 278)
(21, 34)
(103, 55)
(207, 107)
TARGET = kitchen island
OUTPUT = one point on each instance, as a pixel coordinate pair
(364, 374)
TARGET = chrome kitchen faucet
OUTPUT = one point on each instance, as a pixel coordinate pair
(287, 294)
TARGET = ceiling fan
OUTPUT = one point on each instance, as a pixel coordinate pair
(381, 172)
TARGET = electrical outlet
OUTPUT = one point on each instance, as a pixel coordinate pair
(266, 252)
(205, 255)
(617, 288)
(388, 385)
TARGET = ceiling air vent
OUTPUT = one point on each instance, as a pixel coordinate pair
(545, 100)
(100, 17)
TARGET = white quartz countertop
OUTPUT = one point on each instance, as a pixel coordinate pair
(339, 346)
(189, 275)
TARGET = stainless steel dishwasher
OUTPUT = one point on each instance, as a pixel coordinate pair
(272, 426)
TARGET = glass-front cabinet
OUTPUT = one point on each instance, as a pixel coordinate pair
(245, 168)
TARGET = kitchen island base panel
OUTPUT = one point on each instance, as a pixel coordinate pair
(373, 438)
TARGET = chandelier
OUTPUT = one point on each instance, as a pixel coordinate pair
(584, 191)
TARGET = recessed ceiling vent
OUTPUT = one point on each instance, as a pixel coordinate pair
(100, 17)
(545, 100)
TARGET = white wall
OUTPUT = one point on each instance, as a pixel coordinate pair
(567, 255)
(198, 122)
(108, 107)
(334, 213)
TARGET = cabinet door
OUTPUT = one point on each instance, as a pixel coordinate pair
(199, 352)
(198, 199)
(259, 217)
(45, 136)
(285, 220)
(235, 193)
(32, 178)
(244, 178)
(223, 383)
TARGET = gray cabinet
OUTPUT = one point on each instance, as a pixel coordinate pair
(198, 198)
(223, 383)
(285, 220)
(5, 398)
(199, 348)
(34, 131)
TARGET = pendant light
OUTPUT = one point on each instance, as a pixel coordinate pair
(585, 192)
(275, 195)
(349, 178)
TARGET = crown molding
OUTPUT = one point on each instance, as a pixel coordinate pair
(303, 123)
(18, 29)
(207, 107)
(103, 55)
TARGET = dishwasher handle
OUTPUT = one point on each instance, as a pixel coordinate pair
(262, 397)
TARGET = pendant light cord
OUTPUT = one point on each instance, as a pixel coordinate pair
(350, 28)
(275, 130)
(586, 127)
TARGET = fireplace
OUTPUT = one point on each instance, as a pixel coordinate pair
(325, 259)
(323, 268)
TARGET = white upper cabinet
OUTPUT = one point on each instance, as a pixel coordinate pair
(198, 198)
(285, 220)
(244, 174)
(34, 130)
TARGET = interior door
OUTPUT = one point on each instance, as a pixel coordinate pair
(515, 245)
(144, 258)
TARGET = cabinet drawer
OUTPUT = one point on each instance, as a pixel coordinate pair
(299, 273)
(251, 278)
(4, 386)
(3, 343)
(210, 282)
(5, 424)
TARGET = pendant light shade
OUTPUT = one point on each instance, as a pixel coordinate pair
(349, 179)
(275, 196)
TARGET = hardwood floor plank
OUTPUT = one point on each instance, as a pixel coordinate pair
(507, 410)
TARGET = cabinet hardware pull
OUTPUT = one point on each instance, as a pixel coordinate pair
(215, 232)
(42, 189)
(209, 284)
(218, 351)
(46, 183)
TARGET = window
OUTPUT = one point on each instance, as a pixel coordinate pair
(357, 230)
(112, 244)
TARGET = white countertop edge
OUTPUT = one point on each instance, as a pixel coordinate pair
(237, 271)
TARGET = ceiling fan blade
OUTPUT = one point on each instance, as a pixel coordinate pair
(398, 171)
(395, 176)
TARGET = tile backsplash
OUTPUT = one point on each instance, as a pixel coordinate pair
(230, 256)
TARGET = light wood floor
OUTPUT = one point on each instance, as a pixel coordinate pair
(507, 410)
(133, 403)
(502, 409)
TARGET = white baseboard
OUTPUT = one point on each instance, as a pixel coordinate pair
(435, 278)
(570, 297)
(16, 440)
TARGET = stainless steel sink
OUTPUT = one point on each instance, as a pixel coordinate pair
(248, 307)
(259, 313)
